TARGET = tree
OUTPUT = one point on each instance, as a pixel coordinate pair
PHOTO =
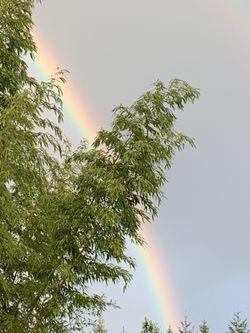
(185, 326)
(149, 327)
(27, 171)
(204, 328)
(237, 325)
(99, 327)
(65, 221)
(170, 330)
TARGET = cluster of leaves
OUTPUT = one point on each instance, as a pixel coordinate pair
(66, 216)
(26, 168)
(99, 326)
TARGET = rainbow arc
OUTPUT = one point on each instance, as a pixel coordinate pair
(150, 260)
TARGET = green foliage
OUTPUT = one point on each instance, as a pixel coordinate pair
(27, 171)
(237, 325)
(15, 41)
(99, 327)
(204, 328)
(185, 326)
(65, 221)
(149, 327)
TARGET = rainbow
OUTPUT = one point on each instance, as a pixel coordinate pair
(76, 109)
(157, 280)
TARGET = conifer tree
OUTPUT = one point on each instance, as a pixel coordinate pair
(149, 327)
(203, 328)
(170, 330)
(186, 326)
(237, 325)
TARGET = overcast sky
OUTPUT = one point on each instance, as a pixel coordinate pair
(114, 51)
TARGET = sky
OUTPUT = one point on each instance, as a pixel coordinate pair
(114, 51)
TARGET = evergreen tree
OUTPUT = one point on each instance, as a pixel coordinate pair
(237, 325)
(185, 326)
(203, 328)
(149, 327)
(99, 327)
(65, 222)
(170, 330)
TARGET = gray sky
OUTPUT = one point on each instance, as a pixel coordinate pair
(114, 51)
